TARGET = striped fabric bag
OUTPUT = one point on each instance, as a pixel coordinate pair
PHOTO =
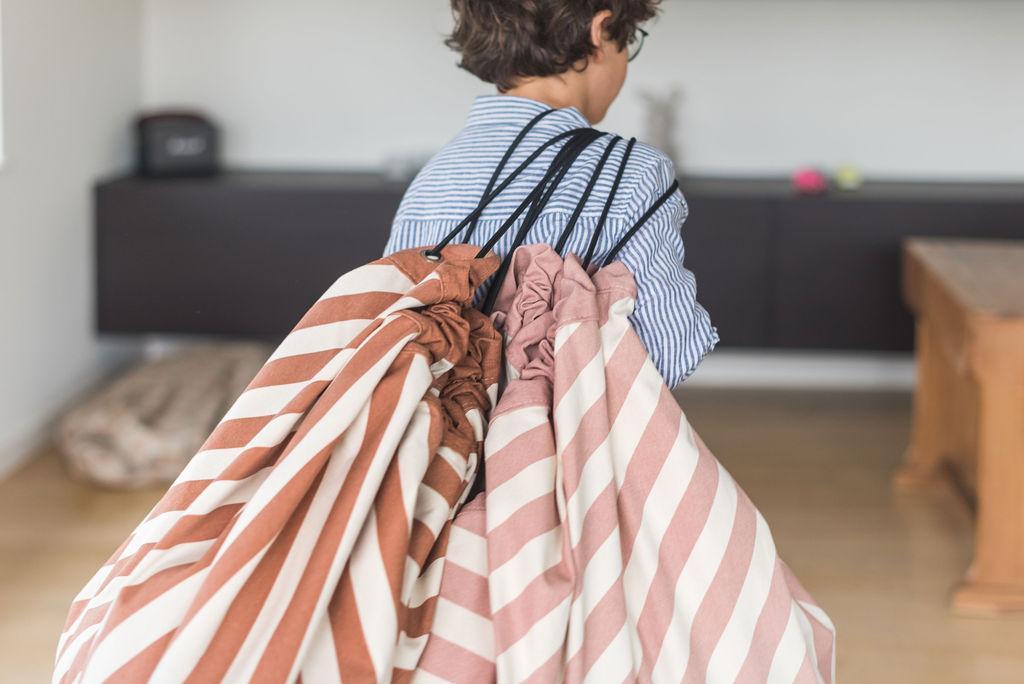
(610, 545)
(305, 541)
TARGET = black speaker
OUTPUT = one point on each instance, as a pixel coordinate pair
(176, 144)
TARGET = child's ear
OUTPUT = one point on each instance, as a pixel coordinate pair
(598, 35)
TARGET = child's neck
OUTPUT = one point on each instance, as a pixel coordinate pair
(555, 91)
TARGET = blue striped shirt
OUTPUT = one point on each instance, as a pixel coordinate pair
(675, 328)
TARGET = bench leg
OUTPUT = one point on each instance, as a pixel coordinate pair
(930, 430)
(995, 581)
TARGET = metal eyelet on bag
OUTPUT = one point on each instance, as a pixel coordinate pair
(431, 255)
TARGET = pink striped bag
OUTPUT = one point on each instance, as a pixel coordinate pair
(610, 544)
(306, 539)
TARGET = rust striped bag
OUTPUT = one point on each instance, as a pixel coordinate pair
(610, 544)
(306, 540)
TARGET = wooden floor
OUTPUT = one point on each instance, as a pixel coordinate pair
(817, 465)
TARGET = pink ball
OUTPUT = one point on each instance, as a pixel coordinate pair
(810, 182)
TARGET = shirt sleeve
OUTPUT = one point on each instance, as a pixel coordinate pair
(674, 327)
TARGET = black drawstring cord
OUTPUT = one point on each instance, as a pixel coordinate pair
(434, 253)
(529, 201)
(567, 231)
(501, 165)
(561, 165)
(641, 221)
(608, 204)
(535, 194)
(577, 140)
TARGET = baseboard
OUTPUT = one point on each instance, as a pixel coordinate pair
(805, 370)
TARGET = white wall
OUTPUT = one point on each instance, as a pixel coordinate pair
(309, 82)
(921, 88)
(71, 83)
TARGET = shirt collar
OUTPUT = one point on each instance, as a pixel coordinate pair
(512, 109)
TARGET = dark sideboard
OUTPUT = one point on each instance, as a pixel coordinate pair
(246, 253)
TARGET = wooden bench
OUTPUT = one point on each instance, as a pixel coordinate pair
(968, 300)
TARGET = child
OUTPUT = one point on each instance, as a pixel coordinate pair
(569, 56)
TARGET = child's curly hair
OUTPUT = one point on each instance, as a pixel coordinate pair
(502, 41)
